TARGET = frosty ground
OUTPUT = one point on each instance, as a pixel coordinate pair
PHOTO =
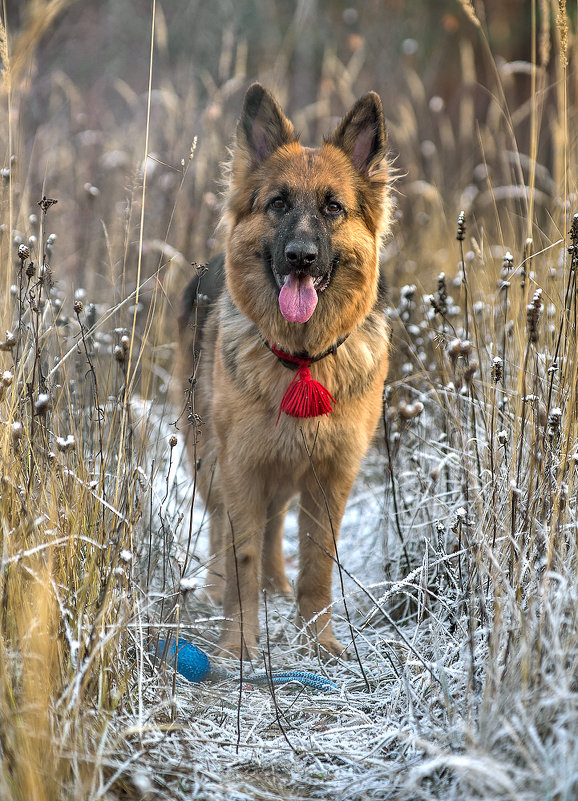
(405, 723)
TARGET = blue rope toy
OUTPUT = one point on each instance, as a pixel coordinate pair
(195, 665)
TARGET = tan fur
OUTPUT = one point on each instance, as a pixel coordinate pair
(250, 467)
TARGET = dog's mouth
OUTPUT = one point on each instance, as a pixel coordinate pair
(299, 293)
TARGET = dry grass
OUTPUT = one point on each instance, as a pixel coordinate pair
(467, 625)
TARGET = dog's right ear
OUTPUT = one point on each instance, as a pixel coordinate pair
(262, 127)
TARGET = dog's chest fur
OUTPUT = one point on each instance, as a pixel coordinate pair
(257, 373)
(248, 377)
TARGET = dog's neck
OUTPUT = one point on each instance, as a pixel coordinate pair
(290, 360)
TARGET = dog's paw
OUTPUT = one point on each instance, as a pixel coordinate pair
(277, 585)
(327, 648)
(331, 648)
(316, 637)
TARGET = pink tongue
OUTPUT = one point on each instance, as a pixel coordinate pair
(298, 298)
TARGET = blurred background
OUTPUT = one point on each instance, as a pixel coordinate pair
(457, 103)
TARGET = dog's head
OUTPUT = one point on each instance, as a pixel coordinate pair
(305, 224)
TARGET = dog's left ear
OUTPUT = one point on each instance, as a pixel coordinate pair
(361, 134)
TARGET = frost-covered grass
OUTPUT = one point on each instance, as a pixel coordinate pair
(458, 551)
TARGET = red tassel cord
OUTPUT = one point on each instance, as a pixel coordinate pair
(304, 396)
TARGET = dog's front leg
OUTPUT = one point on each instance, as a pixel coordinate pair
(244, 524)
(320, 516)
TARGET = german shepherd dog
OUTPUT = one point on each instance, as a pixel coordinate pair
(286, 344)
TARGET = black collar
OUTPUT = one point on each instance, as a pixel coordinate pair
(293, 360)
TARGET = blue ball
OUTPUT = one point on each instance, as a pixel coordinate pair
(192, 663)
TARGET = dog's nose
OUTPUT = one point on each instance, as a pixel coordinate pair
(301, 255)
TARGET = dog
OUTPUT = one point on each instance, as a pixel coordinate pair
(285, 343)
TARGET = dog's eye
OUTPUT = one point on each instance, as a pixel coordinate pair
(333, 207)
(278, 203)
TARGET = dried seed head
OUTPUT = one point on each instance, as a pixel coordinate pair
(502, 437)
(42, 404)
(461, 226)
(195, 419)
(91, 190)
(459, 347)
(9, 342)
(497, 369)
(407, 411)
(23, 252)
(507, 267)
(407, 292)
(16, 431)
(125, 343)
(431, 299)
(188, 584)
(30, 270)
(454, 347)
(442, 290)
(78, 306)
(574, 236)
(65, 444)
(470, 371)
(46, 203)
(533, 313)
(406, 301)
(439, 301)
(7, 378)
(537, 299)
(462, 519)
(172, 441)
(554, 420)
(119, 353)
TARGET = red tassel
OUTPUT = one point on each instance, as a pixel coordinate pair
(304, 396)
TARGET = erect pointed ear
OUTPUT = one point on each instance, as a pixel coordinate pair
(361, 133)
(262, 127)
